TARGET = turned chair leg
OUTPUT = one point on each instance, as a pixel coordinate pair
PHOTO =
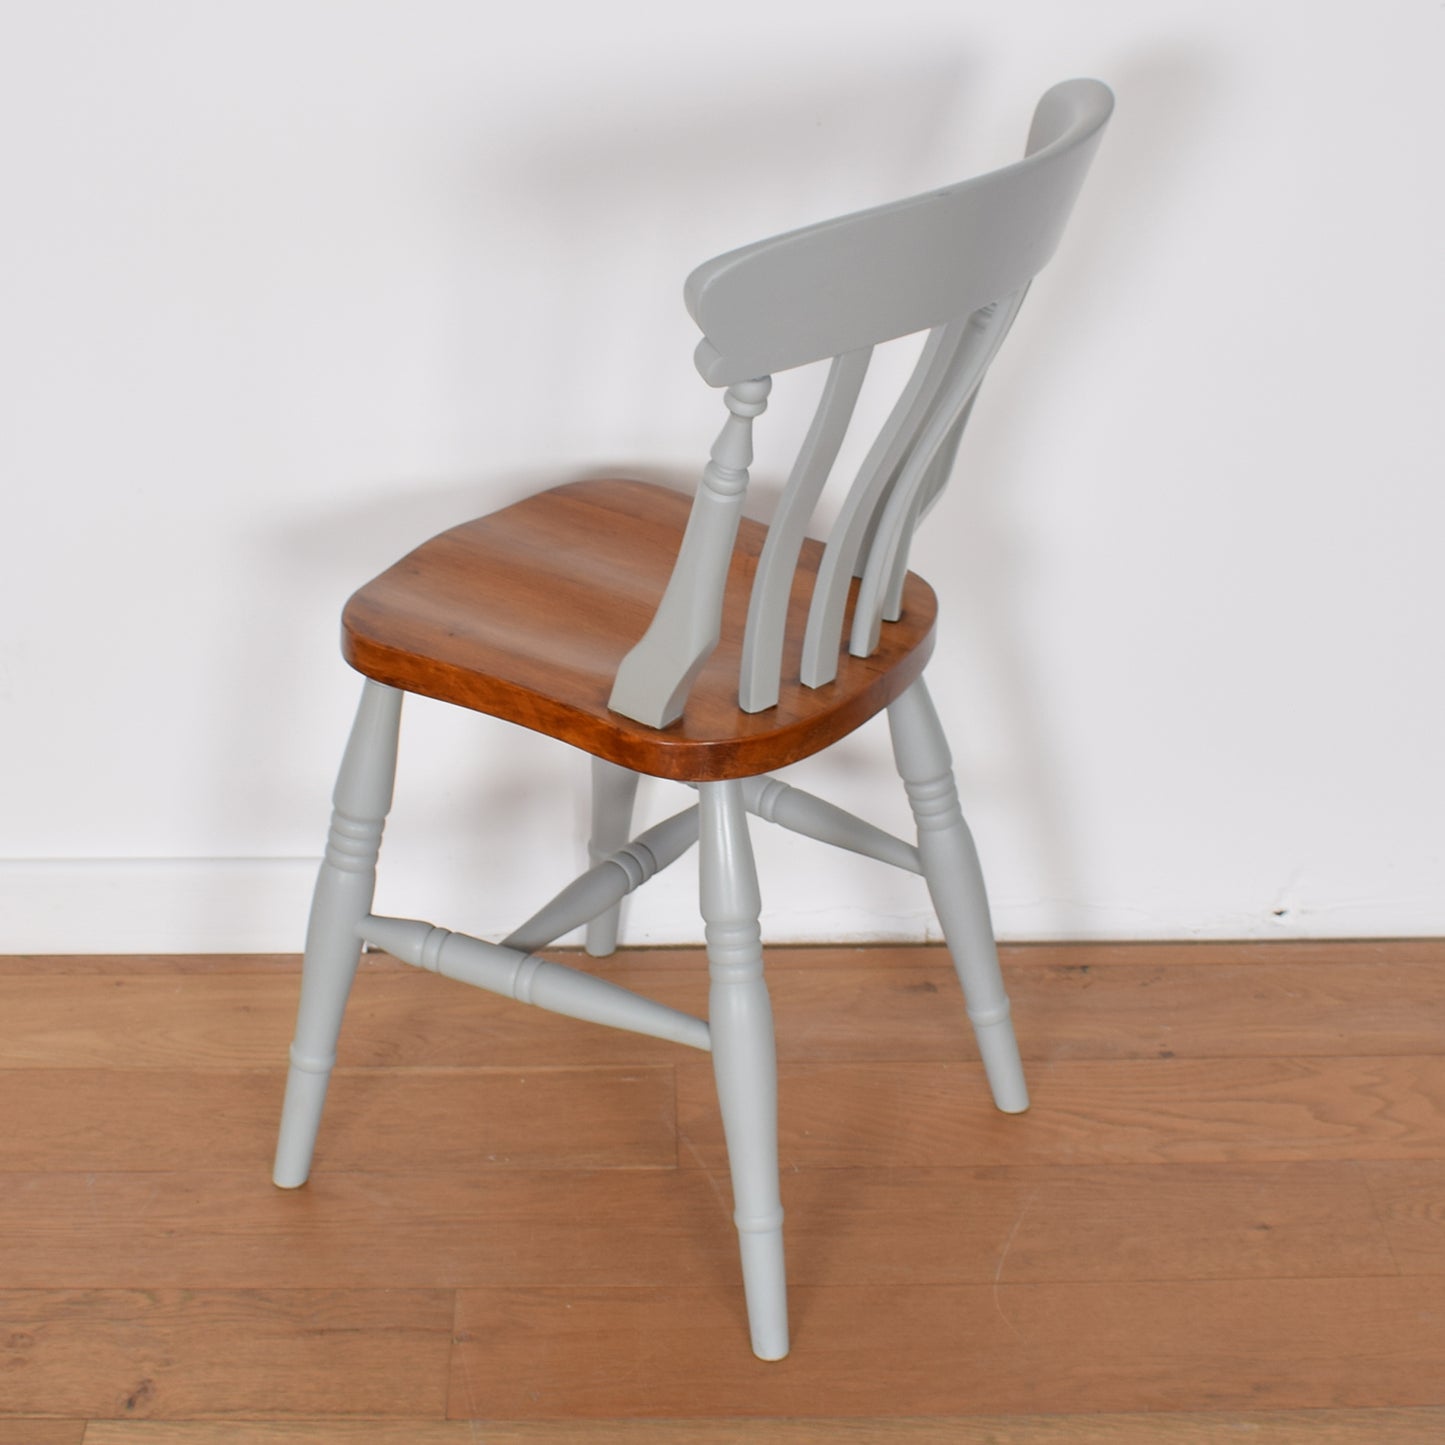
(955, 882)
(744, 1061)
(344, 890)
(614, 790)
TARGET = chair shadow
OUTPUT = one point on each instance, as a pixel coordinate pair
(627, 175)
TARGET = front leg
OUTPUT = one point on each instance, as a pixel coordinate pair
(344, 890)
(744, 1060)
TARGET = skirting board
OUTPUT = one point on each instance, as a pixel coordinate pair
(259, 905)
(155, 905)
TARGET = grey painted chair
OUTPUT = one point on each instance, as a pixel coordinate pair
(680, 639)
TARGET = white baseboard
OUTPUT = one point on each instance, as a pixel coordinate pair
(155, 905)
(259, 905)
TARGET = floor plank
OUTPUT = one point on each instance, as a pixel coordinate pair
(1194, 1222)
(1151, 1007)
(951, 1350)
(99, 1120)
(175, 965)
(178, 1353)
(1175, 1111)
(1409, 1197)
(364, 1231)
(1298, 1427)
(1378, 952)
(1221, 1219)
(32, 1431)
(208, 1230)
(1065, 1010)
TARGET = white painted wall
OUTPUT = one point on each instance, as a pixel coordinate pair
(288, 287)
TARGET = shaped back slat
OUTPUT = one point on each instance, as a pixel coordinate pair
(759, 678)
(939, 471)
(849, 538)
(888, 552)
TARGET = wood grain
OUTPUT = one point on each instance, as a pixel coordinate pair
(1424, 1426)
(112, 965)
(33, 1431)
(95, 1119)
(185, 1353)
(1176, 1111)
(526, 614)
(1005, 1349)
(208, 1230)
(1246, 1238)
(403, 1017)
(1409, 1199)
(1379, 953)
(364, 1231)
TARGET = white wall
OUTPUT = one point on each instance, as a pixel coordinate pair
(289, 286)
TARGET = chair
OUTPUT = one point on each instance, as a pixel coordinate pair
(675, 637)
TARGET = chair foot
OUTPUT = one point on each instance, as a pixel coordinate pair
(955, 883)
(765, 1288)
(1002, 1067)
(300, 1120)
(344, 890)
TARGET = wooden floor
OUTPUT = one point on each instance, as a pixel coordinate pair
(1224, 1217)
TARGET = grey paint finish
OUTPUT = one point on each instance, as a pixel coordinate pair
(895, 269)
(956, 263)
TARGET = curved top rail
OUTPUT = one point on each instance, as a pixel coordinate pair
(797, 297)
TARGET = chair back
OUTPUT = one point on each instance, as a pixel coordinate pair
(955, 263)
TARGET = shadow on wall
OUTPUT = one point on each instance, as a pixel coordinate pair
(601, 224)
(998, 553)
(610, 219)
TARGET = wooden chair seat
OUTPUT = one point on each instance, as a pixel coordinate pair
(526, 613)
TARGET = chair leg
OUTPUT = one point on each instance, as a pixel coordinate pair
(344, 890)
(955, 881)
(614, 789)
(744, 1061)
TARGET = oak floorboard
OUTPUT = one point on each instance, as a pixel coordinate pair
(1409, 1197)
(954, 1350)
(401, 1017)
(1146, 1009)
(1378, 952)
(101, 1120)
(205, 1230)
(119, 965)
(1424, 1426)
(33, 1431)
(1162, 1111)
(1243, 1240)
(101, 1354)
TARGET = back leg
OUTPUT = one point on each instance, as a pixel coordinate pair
(344, 890)
(614, 789)
(955, 882)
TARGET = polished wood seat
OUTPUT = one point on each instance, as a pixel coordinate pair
(527, 613)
